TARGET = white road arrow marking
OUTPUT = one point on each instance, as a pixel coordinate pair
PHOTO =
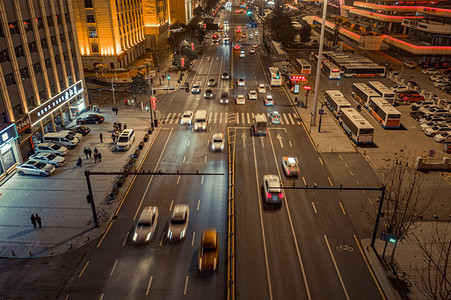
(244, 139)
(263, 142)
(279, 137)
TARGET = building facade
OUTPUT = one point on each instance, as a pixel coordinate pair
(110, 32)
(41, 76)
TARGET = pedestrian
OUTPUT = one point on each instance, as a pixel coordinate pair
(89, 152)
(116, 109)
(85, 151)
(120, 126)
(125, 125)
(101, 137)
(38, 220)
(96, 156)
(79, 162)
(99, 157)
(33, 220)
(113, 137)
(95, 151)
(113, 109)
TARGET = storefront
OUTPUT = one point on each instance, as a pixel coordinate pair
(9, 150)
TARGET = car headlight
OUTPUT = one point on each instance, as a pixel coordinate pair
(148, 236)
(213, 146)
(222, 147)
(203, 127)
(169, 234)
(135, 236)
(182, 234)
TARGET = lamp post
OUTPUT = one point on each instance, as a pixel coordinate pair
(150, 94)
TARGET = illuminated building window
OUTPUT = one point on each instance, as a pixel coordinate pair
(4, 56)
(92, 33)
(95, 48)
(13, 28)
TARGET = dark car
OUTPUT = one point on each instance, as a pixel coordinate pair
(80, 129)
(91, 119)
(208, 94)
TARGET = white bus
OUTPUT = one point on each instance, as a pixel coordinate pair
(274, 77)
(331, 70)
(335, 101)
(363, 70)
(303, 66)
(383, 91)
(363, 93)
(358, 129)
(384, 113)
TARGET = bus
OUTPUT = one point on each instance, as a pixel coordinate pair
(363, 93)
(303, 66)
(359, 130)
(385, 113)
(275, 77)
(331, 70)
(383, 91)
(335, 101)
(363, 70)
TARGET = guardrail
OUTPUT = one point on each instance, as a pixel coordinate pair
(231, 133)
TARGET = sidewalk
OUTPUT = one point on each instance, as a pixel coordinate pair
(60, 199)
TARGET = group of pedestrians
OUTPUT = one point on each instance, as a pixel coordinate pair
(88, 153)
(36, 220)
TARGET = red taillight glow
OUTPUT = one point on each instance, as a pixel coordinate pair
(281, 195)
(268, 195)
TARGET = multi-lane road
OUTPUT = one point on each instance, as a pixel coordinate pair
(307, 248)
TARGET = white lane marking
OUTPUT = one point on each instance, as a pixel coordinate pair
(279, 137)
(167, 117)
(291, 223)
(205, 159)
(243, 137)
(194, 235)
(286, 119)
(186, 285)
(268, 277)
(281, 120)
(198, 204)
(248, 118)
(184, 158)
(289, 142)
(314, 208)
(178, 118)
(242, 117)
(178, 180)
(303, 179)
(216, 117)
(226, 118)
(114, 267)
(125, 240)
(170, 206)
(151, 177)
(148, 285)
(202, 180)
(101, 296)
(291, 118)
(209, 118)
(336, 268)
(172, 119)
(188, 143)
(237, 117)
(220, 118)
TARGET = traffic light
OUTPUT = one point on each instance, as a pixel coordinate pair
(249, 12)
(153, 102)
(187, 87)
(182, 62)
(168, 77)
(192, 46)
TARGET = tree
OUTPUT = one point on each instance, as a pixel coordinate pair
(405, 198)
(198, 11)
(435, 276)
(280, 25)
(139, 86)
(305, 31)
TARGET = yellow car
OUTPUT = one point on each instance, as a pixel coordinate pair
(209, 250)
(290, 165)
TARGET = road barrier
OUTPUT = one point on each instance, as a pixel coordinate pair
(231, 216)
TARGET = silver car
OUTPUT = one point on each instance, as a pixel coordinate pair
(146, 225)
(49, 158)
(35, 168)
(187, 117)
(217, 142)
(178, 223)
(51, 148)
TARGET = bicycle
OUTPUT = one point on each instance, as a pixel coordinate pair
(110, 198)
(342, 247)
(102, 215)
(404, 278)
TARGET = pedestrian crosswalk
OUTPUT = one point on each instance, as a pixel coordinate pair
(233, 118)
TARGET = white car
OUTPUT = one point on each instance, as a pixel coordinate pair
(240, 99)
(272, 187)
(426, 125)
(437, 77)
(187, 117)
(444, 137)
(409, 64)
(76, 135)
(430, 71)
(211, 82)
(399, 88)
(440, 83)
(35, 168)
(49, 158)
(178, 224)
(217, 142)
(252, 51)
(252, 95)
(242, 53)
(146, 225)
(437, 129)
(261, 88)
(269, 101)
(51, 148)
(241, 82)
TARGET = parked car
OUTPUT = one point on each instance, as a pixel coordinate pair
(187, 117)
(439, 128)
(91, 119)
(426, 125)
(444, 137)
(435, 111)
(274, 116)
(429, 118)
(425, 108)
(217, 142)
(430, 71)
(178, 224)
(51, 148)
(409, 64)
(35, 168)
(272, 189)
(436, 78)
(399, 88)
(412, 98)
(440, 83)
(209, 250)
(49, 158)
(75, 134)
(290, 165)
(80, 129)
(407, 93)
(413, 83)
(417, 105)
(146, 225)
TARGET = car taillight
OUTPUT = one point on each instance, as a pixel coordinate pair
(288, 171)
(268, 195)
(281, 195)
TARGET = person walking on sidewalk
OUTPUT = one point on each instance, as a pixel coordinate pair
(99, 157)
(116, 110)
(38, 220)
(120, 127)
(79, 162)
(125, 125)
(101, 137)
(96, 157)
(113, 137)
(85, 151)
(33, 220)
(89, 152)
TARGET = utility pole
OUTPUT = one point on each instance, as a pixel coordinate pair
(112, 89)
(378, 217)
(150, 94)
(318, 67)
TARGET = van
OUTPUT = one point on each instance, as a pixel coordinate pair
(260, 125)
(125, 140)
(60, 138)
(200, 120)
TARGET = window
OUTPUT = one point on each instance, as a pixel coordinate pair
(48, 63)
(40, 23)
(90, 19)
(19, 51)
(92, 33)
(53, 39)
(27, 25)
(32, 47)
(44, 43)
(13, 28)
(24, 74)
(4, 56)
(57, 59)
(50, 21)
(42, 95)
(59, 20)
(37, 68)
(66, 15)
(30, 102)
(95, 48)
(66, 57)
(88, 4)
(9, 79)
